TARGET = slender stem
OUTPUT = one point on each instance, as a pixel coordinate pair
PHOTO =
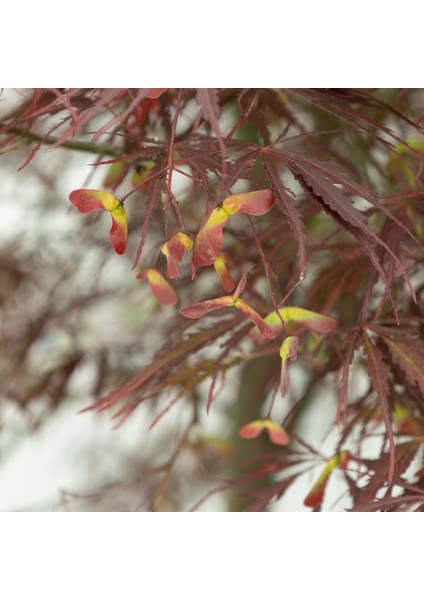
(169, 194)
(267, 267)
(244, 116)
(79, 146)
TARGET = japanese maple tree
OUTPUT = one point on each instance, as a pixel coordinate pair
(280, 233)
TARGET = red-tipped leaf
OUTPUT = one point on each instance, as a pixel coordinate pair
(316, 495)
(344, 459)
(240, 286)
(251, 203)
(178, 244)
(277, 434)
(221, 267)
(88, 200)
(161, 289)
(194, 311)
(251, 430)
(119, 230)
(210, 238)
(265, 330)
(174, 250)
(172, 268)
(198, 310)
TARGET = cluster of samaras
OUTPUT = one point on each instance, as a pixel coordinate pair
(206, 250)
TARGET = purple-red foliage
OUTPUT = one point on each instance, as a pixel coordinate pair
(334, 181)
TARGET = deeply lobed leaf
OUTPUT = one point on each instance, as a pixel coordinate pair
(285, 202)
(379, 374)
(406, 351)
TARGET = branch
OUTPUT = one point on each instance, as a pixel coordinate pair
(79, 146)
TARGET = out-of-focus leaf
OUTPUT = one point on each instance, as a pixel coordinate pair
(277, 434)
(288, 350)
(316, 495)
(142, 172)
(155, 92)
(174, 250)
(115, 175)
(221, 267)
(195, 311)
(161, 289)
(405, 423)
